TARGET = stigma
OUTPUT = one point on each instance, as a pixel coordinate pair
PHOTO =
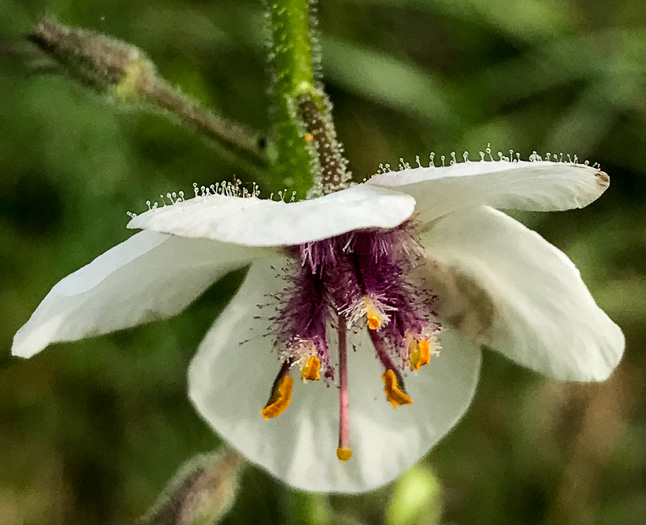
(344, 454)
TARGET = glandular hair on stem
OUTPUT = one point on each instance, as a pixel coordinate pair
(330, 173)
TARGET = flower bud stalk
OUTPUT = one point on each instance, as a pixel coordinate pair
(123, 74)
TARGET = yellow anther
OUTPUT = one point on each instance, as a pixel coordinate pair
(280, 398)
(394, 393)
(344, 454)
(308, 137)
(312, 369)
(420, 354)
(374, 319)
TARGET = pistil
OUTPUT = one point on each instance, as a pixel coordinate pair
(343, 452)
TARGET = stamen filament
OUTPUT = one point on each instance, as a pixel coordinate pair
(281, 393)
(343, 452)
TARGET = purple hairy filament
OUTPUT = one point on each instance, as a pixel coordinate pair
(355, 280)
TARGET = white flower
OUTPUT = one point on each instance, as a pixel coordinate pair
(496, 283)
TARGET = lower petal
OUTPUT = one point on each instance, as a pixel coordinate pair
(232, 373)
(504, 286)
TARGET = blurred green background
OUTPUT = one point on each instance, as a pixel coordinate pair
(90, 432)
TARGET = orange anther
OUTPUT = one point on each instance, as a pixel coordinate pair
(312, 369)
(280, 398)
(374, 322)
(396, 395)
(420, 354)
(372, 314)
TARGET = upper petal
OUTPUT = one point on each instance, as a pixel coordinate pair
(503, 285)
(231, 376)
(262, 222)
(150, 276)
(537, 185)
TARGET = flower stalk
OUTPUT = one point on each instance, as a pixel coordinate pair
(239, 143)
(294, 76)
(123, 74)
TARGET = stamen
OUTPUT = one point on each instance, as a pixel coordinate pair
(312, 369)
(394, 384)
(343, 452)
(420, 354)
(374, 319)
(281, 393)
(394, 393)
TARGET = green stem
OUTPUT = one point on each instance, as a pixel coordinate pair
(122, 74)
(294, 76)
(233, 140)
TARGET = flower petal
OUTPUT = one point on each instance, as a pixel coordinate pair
(536, 185)
(150, 276)
(230, 380)
(263, 222)
(504, 286)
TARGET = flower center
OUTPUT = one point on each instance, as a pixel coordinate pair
(347, 282)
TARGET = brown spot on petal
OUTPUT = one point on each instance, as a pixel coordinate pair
(602, 179)
(461, 302)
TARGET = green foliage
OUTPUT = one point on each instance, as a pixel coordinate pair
(91, 431)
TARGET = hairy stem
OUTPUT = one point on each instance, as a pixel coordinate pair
(293, 76)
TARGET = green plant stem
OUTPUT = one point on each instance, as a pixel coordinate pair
(122, 74)
(233, 140)
(294, 76)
